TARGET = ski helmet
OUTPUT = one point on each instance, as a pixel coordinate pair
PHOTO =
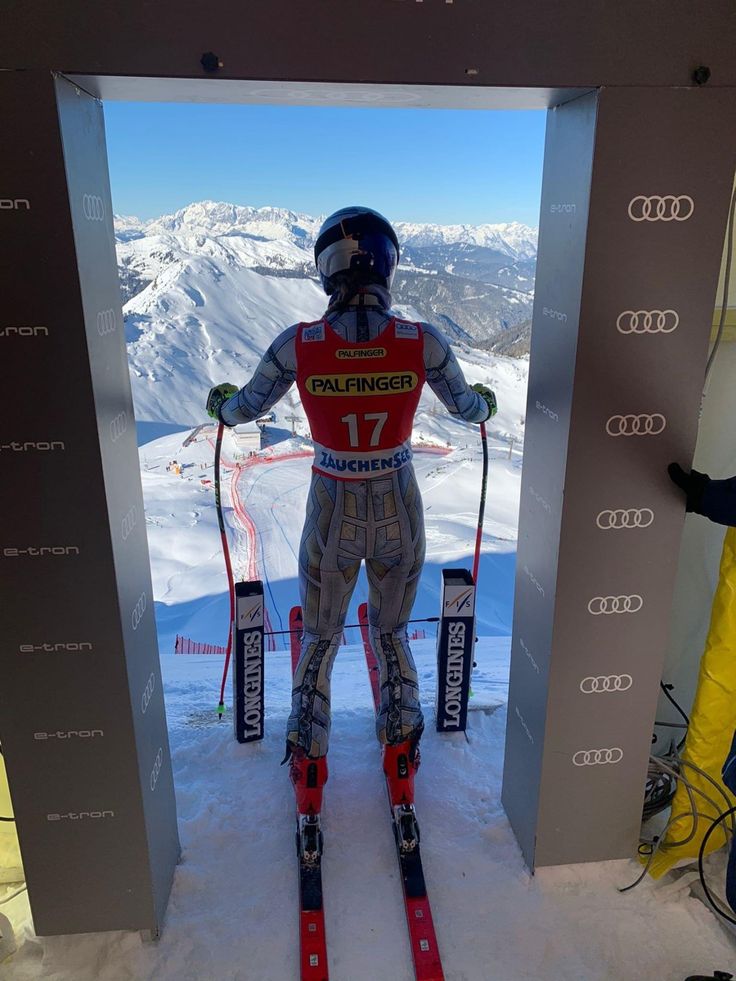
(356, 244)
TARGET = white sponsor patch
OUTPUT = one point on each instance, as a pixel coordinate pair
(459, 600)
(253, 684)
(454, 673)
(314, 333)
(406, 330)
(250, 612)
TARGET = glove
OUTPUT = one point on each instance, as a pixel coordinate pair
(488, 397)
(693, 483)
(217, 398)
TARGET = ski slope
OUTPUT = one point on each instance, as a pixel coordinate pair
(272, 489)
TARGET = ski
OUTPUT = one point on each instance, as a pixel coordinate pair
(312, 934)
(422, 937)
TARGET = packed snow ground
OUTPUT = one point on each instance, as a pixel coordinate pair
(233, 912)
(233, 909)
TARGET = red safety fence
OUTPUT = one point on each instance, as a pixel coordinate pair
(184, 645)
(431, 448)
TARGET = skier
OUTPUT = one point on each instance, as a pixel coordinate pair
(714, 499)
(359, 371)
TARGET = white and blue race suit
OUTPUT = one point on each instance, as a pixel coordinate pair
(378, 520)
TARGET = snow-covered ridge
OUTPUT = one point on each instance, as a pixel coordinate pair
(221, 218)
(279, 224)
(511, 238)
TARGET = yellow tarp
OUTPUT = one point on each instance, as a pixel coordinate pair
(712, 723)
(10, 864)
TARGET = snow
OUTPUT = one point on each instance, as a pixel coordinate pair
(180, 511)
(511, 238)
(233, 912)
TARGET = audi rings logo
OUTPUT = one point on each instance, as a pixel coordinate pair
(157, 764)
(138, 610)
(602, 683)
(647, 321)
(606, 605)
(118, 426)
(594, 757)
(664, 207)
(633, 425)
(93, 207)
(106, 322)
(625, 518)
(148, 693)
(129, 522)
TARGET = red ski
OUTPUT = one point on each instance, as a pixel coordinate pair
(424, 949)
(312, 935)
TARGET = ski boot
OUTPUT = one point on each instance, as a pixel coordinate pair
(400, 763)
(308, 777)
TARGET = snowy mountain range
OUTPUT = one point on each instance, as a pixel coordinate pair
(476, 282)
(206, 291)
(218, 218)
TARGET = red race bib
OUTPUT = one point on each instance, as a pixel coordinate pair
(360, 399)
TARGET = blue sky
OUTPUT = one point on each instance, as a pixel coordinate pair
(411, 164)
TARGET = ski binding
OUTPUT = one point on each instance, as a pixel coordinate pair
(309, 842)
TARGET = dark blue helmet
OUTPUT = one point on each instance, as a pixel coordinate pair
(357, 245)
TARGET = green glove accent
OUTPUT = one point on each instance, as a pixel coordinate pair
(488, 397)
(217, 398)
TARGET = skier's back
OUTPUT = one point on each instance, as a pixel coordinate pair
(360, 372)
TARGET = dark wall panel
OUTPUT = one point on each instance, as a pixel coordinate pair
(568, 164)
(632, 365)
(79, 756)
(530, 43)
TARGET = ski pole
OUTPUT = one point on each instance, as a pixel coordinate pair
(479, 533)
(228, 566)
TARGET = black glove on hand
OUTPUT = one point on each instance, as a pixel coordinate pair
(693, 483)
